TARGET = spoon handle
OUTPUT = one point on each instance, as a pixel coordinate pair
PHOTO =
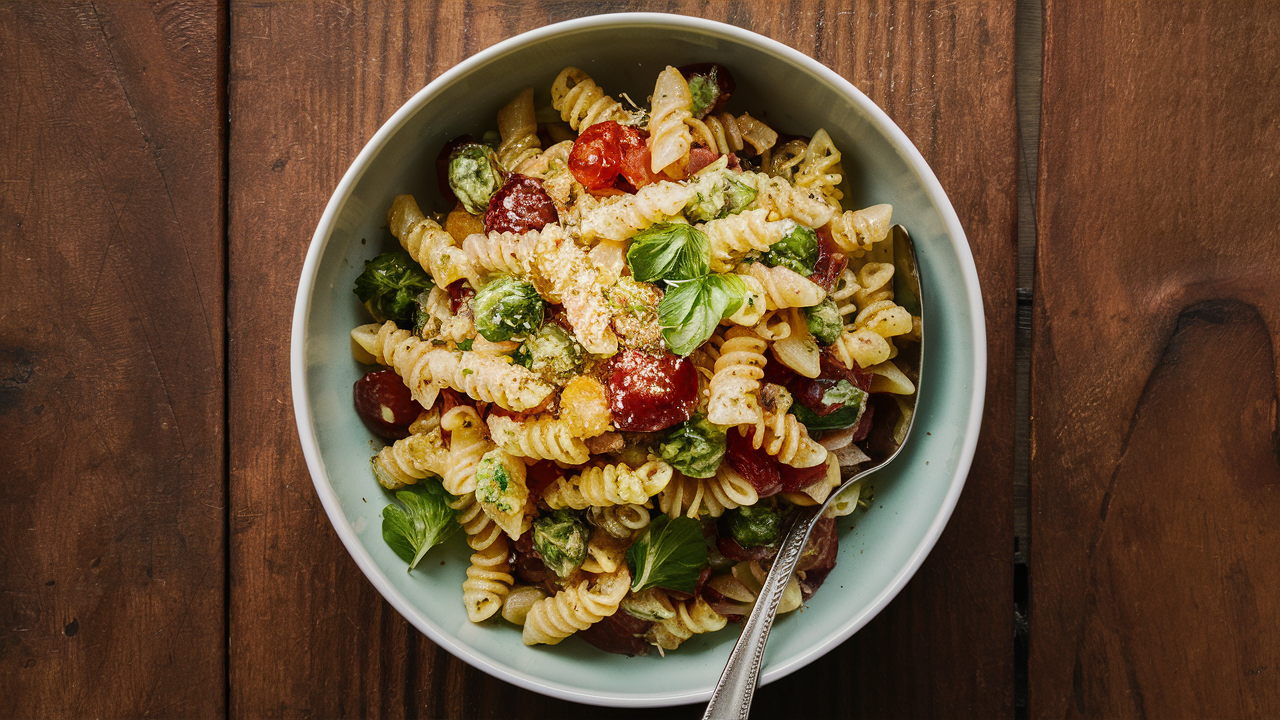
(733, 694)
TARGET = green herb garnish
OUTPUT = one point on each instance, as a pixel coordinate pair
(691, 309)
(844, 392)
(670, 553)
(422, 520)
(669, 251)
(389, 287)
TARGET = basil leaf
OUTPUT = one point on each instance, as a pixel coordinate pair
(422, 521)
(670, 554)
(691, 309)
(669, 251)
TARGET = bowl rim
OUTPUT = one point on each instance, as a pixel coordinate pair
(324, 231)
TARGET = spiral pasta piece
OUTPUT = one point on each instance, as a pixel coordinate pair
(724, 130)
(489, 575)
(784, 287)
(735, 386)
(539, 438)
(620, 521)
(782, 200)
(692, 617)
(621, 216)
(410, 459)
(867, 340)
(759, 136)
(468, 443)
(695, 497)
(820, 169)
(442, 323)
(669, 136)
(615, 484)
(855, 231)
(509, 253)
(518, 129)
(787, 439)
(428, 243)
(605, 553)
(581, 102)
(731, 238)
(425, 369)
(575, 608)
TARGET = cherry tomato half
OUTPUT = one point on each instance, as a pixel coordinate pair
(648, 393)
(596, 156)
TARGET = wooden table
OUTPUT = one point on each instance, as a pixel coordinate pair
(1114, 553)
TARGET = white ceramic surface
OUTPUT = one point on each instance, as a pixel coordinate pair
(624, 53)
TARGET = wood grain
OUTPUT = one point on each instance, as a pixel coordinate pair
(309, 636)
(111, 352)
(1154, 469)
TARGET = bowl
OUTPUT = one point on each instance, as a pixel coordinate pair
(879, 550)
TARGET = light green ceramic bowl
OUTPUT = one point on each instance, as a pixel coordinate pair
(879, 550)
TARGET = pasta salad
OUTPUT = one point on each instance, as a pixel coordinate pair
(638, 340)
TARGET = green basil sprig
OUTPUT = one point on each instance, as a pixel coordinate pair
(424, 521)
(670, 553)
(669, 251)
(691, 309)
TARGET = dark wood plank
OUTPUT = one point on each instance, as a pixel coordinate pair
(1155, 590)
(111, 360)
(944, 71)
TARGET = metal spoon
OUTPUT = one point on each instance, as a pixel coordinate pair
(733, 694)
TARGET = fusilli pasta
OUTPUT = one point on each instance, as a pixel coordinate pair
(735, 385)
(669, 136)
(731, 238)
(539, 438)
(614, 484)
(581, 102)
(784, 287)
(428, 243)
(575, 608)
(519, 132)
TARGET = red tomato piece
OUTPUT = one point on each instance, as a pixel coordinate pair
(648, 393)
(596, 156)
(797, 479)
(385, 404)
(864, 425)
(460, 294)
(700, 157)
(831, 262)
(540, 476)
(634, 167)
(520, 206)
(757, 466)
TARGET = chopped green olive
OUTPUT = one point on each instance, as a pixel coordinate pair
(694, 447)
(552, 353)
(507, 308)
(390, 286)
(474, 176)
(561, 539)
(797, 251)
(754, 525)
(824, 321)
